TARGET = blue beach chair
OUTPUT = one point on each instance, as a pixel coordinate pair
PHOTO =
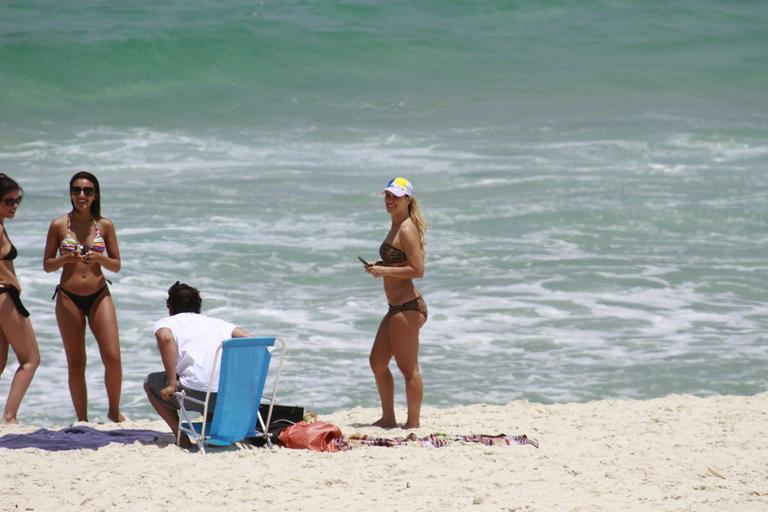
(242, 377)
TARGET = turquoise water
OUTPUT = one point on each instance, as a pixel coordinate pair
(593, 174)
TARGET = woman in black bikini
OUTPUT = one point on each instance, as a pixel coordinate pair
(85, 242)
(15, 327)
(402, 255)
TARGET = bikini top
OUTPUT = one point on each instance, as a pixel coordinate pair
(70, 244)
(390, 254)
(12, 253)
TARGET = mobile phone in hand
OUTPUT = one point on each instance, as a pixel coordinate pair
(364, 262)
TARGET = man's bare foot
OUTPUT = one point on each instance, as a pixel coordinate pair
(185, 443)
(10, 421)
(385, 423)
(117, 419)
(408, 426)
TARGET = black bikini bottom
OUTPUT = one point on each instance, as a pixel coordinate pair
(14, 293)
(416, 304)
(83, 302)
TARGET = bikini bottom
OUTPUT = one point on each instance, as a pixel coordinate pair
(416, 304)
(14, 293)
(83, 302)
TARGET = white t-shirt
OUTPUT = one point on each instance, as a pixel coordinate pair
(197, 337)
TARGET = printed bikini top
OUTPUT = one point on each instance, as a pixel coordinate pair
(390, 254)
(12, 253)
(70, 244)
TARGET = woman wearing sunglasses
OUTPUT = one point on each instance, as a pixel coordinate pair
(82, 242)
(15, 327)
(402, 261)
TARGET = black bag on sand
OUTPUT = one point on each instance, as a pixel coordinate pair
(282, 416)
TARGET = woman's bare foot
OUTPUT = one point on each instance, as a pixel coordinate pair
(10, 421)
(385, 423)
(408, 426)
(117, 419)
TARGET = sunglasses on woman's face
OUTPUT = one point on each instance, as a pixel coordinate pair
(76, 191)
(10, 202)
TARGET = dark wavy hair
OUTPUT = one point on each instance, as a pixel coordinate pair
(183, 298)
(96, 204)
(8, 184)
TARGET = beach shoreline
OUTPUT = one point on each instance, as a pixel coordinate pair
(680, 452)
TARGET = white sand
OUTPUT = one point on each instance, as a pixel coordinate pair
(675, 453)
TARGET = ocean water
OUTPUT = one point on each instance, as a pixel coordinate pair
(593, 174)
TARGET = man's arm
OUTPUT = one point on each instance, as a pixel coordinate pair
(167, 347)
(239, 332)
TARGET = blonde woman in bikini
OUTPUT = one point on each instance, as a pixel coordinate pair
(402, 260)
(82, 242)
(15, 327)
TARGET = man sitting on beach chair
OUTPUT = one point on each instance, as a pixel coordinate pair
(187, 341)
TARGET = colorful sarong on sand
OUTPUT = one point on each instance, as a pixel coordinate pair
(436, 440)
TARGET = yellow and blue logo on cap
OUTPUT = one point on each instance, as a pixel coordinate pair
(400, 187)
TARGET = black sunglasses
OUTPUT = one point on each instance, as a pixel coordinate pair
(11, 201)
(76, 191)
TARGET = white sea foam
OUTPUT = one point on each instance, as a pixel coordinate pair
(548, 263)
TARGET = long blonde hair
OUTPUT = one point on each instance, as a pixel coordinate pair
(414, 212)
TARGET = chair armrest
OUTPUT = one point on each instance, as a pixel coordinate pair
(183, 396)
